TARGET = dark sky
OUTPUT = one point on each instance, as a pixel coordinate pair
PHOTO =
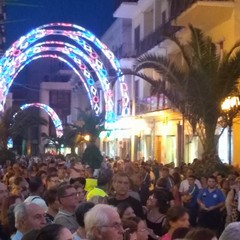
(24, 15)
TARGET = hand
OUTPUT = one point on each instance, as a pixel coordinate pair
(209, 209)
(202, 206)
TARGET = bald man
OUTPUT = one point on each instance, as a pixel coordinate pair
(28, 216)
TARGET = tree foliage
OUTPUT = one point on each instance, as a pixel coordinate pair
(197, 84)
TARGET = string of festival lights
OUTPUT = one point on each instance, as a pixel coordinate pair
(28, 48)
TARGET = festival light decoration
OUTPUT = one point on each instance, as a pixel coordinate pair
(76, 51)
(52, 114)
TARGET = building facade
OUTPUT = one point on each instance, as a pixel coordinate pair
(155, 129)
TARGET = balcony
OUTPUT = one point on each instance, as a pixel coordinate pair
(149, 104)
(156, 37)
(204, 14)
(125, 8)
(126, 50)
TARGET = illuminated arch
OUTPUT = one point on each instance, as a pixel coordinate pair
(77, 53)
(51, 113)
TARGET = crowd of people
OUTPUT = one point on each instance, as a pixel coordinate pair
(57, 198)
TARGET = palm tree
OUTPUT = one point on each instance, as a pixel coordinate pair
(5, 125)
(17, 124)
(198, 86)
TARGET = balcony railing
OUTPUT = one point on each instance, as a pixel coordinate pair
(149, 104)
(126, 50)
(177, 6)
(156, 37)
(119, 2)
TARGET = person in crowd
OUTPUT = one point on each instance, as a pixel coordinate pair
(52, 181)
(139, 228)
(43, 175)
(162, 187)
(201, 234)
(104, 177)
(62, 172)
(67, 196)
(54, 232)
(103, 222)
(231, 203)
(51, 198)
(224, 186)
(80, 193)
(157, 206)
(79, 181)
(36, 189)
(43, 167)
(184, 186)
(180, 233)
(189, 200)
(177, 217)
(20, 188)
(231, 232)
(52, 171)
(81, 210)
(77, 170)
(220, 177)
(121, 185)
(204, 181)
(169, 180)
(3, 194)
(137, 187)
(89, 172)
(28, 216)
(7, 228)
(16, 172)
(31, 235)
(175, 190)
(210, 200)
(98, 200)
(125, 210)
(130, 229)
(33, 169)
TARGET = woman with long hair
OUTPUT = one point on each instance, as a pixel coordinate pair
(157, 205)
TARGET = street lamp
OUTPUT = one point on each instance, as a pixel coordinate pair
(230, 106)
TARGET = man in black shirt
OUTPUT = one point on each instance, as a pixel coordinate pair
(121, 185)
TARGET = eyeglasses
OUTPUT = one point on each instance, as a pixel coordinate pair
(117, 226)
(71, 195)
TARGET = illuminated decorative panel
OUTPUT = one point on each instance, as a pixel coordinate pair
(52, 114)
(77, 51)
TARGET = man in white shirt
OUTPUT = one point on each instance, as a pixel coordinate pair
(184, 186)
(28, 216)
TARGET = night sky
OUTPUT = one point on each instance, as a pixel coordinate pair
(95, 15)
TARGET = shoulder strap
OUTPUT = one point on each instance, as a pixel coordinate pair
(35, 198)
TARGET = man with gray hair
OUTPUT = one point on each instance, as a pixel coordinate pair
(231, 232)
(28, 216)
(103, 222)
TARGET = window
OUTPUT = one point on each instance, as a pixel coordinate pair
(137, 39)
(164, 17)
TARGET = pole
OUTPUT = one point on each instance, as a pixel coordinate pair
(230, 143)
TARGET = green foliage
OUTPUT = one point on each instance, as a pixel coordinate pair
(207, 166)
(198, 86)
(91, 123)
(92, 156)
